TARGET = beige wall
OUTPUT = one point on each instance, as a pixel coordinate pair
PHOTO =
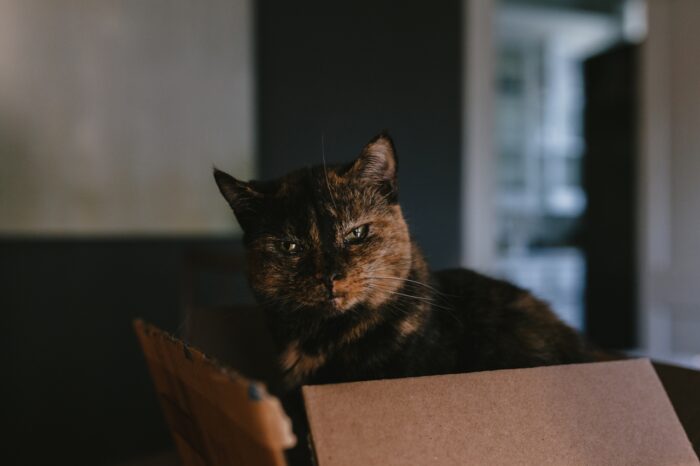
(112, 114)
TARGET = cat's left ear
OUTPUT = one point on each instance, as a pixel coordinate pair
(378, 163)
(241, 196)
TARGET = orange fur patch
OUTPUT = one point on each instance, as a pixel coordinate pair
(297, 365)
(409, 326)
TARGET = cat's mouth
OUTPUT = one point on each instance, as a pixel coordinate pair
(341, 301)
(342, 295)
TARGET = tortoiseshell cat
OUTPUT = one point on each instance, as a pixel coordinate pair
(348, 295)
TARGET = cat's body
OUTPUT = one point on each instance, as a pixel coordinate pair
(453, 321)
(348, 295)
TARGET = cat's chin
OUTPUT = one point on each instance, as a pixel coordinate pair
(342, 304)
(338, 305)
(333, 306)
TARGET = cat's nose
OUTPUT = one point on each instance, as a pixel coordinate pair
(331, 280)
(335, 276)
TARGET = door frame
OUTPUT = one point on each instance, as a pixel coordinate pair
(478, 221)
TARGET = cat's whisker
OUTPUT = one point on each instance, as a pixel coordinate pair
(427, 300)
(397, 293)
(325, 171)
(436, 294)
(411, 284)
(389, 290)
(400, 311)
(402, 279)
(407, 280)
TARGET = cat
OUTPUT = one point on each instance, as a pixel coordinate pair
(348, 295)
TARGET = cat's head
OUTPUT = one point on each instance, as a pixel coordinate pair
(325, 238)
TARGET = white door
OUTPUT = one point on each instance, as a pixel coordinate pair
(670, 183)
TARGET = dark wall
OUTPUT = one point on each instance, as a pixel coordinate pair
(343, 71)
(610, 174)
(76, 385)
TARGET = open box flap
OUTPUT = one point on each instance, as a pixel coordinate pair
(216, 415)
(600, 413)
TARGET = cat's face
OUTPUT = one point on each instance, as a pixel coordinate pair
(325, 238)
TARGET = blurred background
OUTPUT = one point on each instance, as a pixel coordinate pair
(551, 142)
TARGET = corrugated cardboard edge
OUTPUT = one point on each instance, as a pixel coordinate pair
(212, 409)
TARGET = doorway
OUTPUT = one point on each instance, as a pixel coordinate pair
(539, 145)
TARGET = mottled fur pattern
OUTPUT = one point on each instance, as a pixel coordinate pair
(348, 295)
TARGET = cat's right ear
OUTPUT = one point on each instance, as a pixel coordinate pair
(240, 195)
(378, 165)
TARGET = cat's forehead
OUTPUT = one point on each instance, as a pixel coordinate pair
(322, 188)
(320, 197)
(311, 180)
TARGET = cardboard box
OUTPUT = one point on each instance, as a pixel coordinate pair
(602, 413)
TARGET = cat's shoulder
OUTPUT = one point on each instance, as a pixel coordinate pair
(467, 280)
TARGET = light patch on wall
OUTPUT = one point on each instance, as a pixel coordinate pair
(112, 115)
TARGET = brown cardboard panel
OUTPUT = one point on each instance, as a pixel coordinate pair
(607, 413)
(217, 417)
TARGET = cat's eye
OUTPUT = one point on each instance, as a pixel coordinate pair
(289, 247)
(357, 234)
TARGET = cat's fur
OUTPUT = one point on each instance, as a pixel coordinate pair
(344, 307)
